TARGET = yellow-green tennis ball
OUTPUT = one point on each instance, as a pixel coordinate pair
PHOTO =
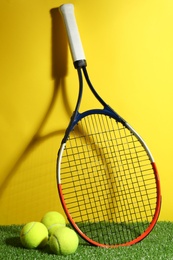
(52, 220)
(33, 235)
(63, 241)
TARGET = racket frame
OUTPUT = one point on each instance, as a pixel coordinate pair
(79, 61)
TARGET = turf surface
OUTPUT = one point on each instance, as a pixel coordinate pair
(157, 246)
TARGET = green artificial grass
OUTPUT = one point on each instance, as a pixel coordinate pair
(157, 246)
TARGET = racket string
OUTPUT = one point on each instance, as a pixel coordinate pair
(105, 175)
(129, 142)
(142, 162)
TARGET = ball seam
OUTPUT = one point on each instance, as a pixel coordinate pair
(58, 244)
(29, 229)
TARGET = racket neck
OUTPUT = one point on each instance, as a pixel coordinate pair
(92, 88)
(75, 113)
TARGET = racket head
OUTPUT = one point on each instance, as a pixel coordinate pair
(107, 180)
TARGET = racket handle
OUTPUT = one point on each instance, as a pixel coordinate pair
(78, 56)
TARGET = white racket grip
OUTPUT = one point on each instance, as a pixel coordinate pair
(78, 56)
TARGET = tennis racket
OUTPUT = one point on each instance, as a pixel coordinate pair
(107, 178)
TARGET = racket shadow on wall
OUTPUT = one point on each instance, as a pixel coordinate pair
(42, 148)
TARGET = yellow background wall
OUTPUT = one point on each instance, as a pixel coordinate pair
(129, 50)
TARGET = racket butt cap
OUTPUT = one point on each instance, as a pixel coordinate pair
(79, 64)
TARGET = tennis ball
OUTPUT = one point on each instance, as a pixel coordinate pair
(63, 241)
(33, 235)
(52, 220)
